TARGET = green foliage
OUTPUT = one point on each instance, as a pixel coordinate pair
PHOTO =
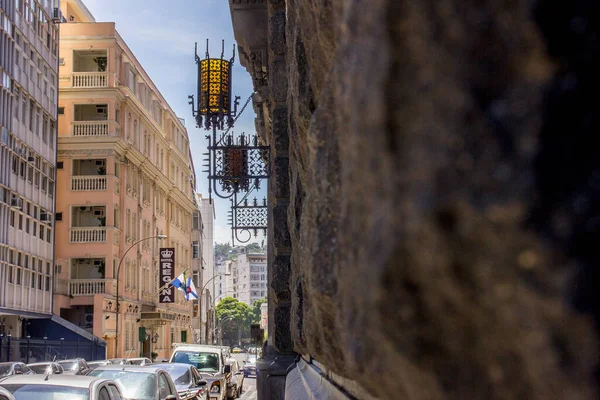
(230, 308)
(256, 310)
(254, 248)
(222, 250)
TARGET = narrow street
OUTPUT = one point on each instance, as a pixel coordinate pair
(249, 392)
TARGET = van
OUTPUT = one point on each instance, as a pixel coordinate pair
(210, 362)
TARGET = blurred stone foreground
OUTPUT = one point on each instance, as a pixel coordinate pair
(434, 201)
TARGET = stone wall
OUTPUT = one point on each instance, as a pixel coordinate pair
(434, 199)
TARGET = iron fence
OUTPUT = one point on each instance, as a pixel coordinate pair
(37, 350)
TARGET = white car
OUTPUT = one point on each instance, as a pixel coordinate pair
(236, 383)
(33, 387)
(210, 362)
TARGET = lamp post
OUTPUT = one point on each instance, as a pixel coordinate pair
(201, 294)
(118, 274)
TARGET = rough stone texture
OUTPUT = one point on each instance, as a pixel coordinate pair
(444, 191)
(442, 214)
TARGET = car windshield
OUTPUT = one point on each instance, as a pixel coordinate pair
(179, 373)
(134, 385)
(69, 365)
(5, 368)
(47, 392)
(41, 369)
(204, 362)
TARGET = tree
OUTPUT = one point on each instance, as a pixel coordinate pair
(254, 248)
(256, 314)
(222, 250)
(234, 317)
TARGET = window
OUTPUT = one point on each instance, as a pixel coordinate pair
(195, 250)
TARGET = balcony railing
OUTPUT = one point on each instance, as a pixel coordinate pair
(90, 128)
(88, 235)
(87, 287)
(90, 80)
(88, 183)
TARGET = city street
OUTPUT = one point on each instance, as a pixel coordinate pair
(249, 392)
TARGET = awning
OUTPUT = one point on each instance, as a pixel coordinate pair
(21, 313)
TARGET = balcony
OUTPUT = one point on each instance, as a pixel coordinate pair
(90, 69)
(88, 183)
(89, 128)
(88, 235)
(88, 224)
(91, 120)
(89, 80)
(87, 287)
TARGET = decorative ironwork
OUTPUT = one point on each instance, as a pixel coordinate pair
(247, 218)
(235, 163)
(213, 103)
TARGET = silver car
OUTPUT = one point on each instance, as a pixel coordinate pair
(146, 383)
(27, 387)
(46, 368)
(139, 361)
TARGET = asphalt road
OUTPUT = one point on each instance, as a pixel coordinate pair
(249, 392)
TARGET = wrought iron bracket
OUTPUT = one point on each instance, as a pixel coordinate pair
(235, 164)
(247, 218)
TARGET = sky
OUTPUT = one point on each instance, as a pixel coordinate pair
(162, 35)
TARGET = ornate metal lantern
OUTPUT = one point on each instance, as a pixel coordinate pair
(213, 105)
(247, 217)
(235, 163)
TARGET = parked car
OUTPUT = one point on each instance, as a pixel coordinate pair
(49, 367)
(250, 366)
(75, 366)
(139, 361)
(189, 382)
(26, 387)
(14, 368)
(236, 383)
(139, 382)
(210, 362)
(119, 361)
(98, 363)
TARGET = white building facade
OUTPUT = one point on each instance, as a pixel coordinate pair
(207, 211)
(28, 141)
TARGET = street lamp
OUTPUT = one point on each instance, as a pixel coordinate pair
(118, 274)
(201, 294)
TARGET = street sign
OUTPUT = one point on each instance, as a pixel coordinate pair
(166, 274)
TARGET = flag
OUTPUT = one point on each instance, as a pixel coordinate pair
(186, 285)
(190, 290)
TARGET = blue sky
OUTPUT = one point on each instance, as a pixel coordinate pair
(162, 35)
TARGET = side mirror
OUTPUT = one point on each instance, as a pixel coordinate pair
(170, 397)
(18, 372)
(202, 383)
(227, 369)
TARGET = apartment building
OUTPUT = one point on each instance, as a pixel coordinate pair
(28, 121)
(124, 174)
(247, 280)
